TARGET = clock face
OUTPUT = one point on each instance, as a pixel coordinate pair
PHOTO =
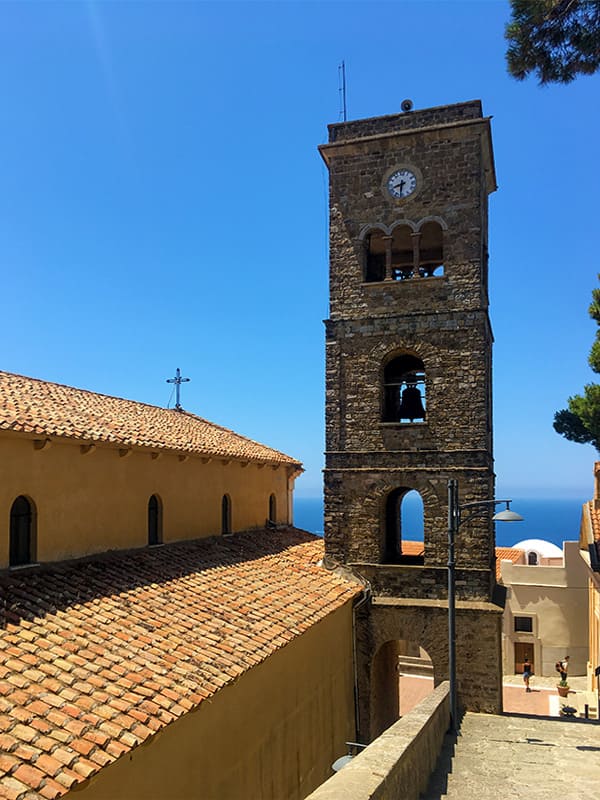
(401, 183)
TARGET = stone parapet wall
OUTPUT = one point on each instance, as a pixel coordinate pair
(391, 123)
(413, 581)
(399, 762)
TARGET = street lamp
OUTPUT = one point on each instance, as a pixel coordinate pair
(454, 522)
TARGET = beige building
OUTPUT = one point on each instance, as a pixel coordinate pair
(205, 654)
(589, 542)
(544, 618)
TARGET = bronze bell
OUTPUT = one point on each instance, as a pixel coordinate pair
(411, 406)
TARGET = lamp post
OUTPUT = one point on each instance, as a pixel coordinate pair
(454, 522)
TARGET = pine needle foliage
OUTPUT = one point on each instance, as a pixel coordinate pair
(556, 40)
(580, 421)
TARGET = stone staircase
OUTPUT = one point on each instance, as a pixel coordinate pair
(415, 665)
(529, 758)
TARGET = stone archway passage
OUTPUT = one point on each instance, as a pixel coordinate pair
(390, 620)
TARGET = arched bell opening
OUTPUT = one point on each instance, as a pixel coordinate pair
(22, 543)
(375, 256)
(401, 676)
(404, 389)
(402, 253)
(404, 527)
(431, 250)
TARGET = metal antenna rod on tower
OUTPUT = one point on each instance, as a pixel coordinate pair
(342, 89)
(177, 380)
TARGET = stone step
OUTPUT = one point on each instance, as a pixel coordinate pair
(414, 665)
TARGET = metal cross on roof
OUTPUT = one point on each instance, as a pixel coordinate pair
(177, 380)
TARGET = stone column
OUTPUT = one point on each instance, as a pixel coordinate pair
(388, 257)
(416, 241)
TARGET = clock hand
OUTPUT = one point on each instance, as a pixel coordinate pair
(401, 185)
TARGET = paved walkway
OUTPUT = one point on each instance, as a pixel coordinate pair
(543, 700)
(508, 757)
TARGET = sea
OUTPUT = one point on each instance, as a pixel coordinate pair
(553, 519)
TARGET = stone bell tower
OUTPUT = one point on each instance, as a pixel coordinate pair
(408, 386)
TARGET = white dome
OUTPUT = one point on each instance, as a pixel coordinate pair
(541, 547)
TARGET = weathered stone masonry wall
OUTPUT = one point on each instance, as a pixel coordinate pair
(355, 510)
(453, 347)
(442, 320)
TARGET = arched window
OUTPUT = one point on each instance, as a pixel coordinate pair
(154, 520)
(404, 389)
(431, 250)
(273, 510)
(21, 533)
(375, 257)
(226, 514)
(404, 527)
(402, 253)
(532, 558)
(405, 253)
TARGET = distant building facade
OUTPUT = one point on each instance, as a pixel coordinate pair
(545, 617)
(589, 542)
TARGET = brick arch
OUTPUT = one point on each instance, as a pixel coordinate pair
(479, 678)
(403, 223)
(429, 497)
(388, 229)
(426, 627)
(384, 674)
(382, 353)
(372, 226)
(432, 218)
(381, 356)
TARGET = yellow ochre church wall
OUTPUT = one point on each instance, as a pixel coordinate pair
(90, 503)
(272, 735)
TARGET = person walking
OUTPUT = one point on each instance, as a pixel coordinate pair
(527, 673)
(564, 668)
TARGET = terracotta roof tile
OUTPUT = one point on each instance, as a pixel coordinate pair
(411, 548)
(211, 609)
(507, 554)
(48, 409)
(595, 517)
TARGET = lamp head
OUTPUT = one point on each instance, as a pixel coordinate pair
(507, 515)
(340, 763)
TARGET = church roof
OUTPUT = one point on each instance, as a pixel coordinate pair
(99, 654)
(40, 408)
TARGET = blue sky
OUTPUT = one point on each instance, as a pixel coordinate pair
(163, 205)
